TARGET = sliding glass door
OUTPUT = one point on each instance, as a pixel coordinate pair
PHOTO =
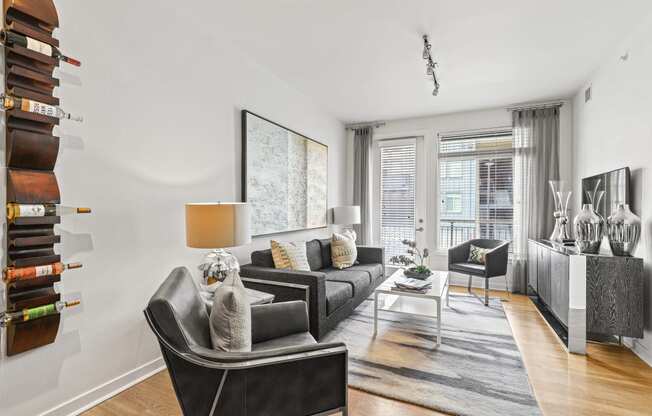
(397, 210)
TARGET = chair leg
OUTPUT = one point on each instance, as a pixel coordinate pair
(509, 294)
(469, 288)
(486, 292)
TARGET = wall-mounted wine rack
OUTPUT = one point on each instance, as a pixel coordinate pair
(31, 114)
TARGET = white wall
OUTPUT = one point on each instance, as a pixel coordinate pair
(429, 128)
(161, 97)
(613, 130)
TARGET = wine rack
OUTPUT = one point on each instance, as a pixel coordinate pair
(31, 156)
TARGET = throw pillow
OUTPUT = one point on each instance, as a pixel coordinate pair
(477, 254)
(230, 319)
(290, 255)
(343, 250)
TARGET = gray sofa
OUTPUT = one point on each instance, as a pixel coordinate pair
(332, 294)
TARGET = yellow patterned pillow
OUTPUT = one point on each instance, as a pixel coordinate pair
(343, 250)
(290, 255)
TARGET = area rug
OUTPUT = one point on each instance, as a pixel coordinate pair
(477, 371)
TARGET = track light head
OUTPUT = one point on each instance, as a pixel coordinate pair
(430, 64)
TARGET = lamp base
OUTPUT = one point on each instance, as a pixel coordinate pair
(217, 265)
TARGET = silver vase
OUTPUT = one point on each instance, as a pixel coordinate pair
(589, 229)
(623, 231)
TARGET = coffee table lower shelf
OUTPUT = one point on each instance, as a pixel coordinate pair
(428, 305)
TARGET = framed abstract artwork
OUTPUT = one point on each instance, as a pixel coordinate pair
(284, 177)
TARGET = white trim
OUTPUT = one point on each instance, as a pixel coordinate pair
(640, 349)
(400, 134)
(97, 395)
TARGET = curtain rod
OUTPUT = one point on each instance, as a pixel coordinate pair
(354, 126)
(535, 106)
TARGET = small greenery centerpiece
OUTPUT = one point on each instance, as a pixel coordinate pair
(415, 258)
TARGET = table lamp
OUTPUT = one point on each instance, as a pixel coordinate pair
(346, 215)
(216, 226)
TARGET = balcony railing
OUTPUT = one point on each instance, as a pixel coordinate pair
(454, 232)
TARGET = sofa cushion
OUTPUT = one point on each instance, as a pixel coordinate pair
(477, 254)
(313, 251)
(290, 255)
(325, 253)
(262, 258)
(472, 268)
(337, 294)
(294, 340)
(374, 270)
(343, 250)
(230, 319)
(358, 279)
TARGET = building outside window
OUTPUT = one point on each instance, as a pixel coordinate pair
(476, 187)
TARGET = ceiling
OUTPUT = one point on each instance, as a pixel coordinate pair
(361, 60)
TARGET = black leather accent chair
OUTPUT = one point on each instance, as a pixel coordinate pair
(495, 262)
(286, 373)
(332, 293)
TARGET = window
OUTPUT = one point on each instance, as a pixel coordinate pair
(453, 203)
(397, 195)
(476, 187)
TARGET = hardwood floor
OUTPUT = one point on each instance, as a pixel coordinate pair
(610, 380)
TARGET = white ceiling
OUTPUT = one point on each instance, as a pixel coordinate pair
(361, 60)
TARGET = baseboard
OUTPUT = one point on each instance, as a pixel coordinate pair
(640, 350)
(105, 391)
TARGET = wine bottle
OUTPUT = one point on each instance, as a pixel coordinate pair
(41, 210)
(37, 312)
(32, 106)
(33, 272)
(12, 38)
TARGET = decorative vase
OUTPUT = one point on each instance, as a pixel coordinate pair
(560, 198)
(623, 231)
(589, 229)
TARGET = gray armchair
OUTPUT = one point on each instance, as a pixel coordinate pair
(287, 372)
(495, 262)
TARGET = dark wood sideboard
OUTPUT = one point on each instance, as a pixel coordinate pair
(586, 295)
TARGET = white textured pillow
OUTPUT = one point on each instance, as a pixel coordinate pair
(343, 250)
(290, 255)
(230, 320)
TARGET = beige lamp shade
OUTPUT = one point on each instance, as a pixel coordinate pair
(217, 224)
(346, 215)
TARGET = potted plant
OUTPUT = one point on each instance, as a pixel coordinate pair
(414, 261)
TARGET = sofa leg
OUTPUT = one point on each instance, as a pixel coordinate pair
(486, 292)
(470, 281)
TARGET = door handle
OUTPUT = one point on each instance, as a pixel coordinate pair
(420, 229)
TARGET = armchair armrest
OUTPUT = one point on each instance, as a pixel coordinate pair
(496, 260)
(371, 254)
(277, 320)
(209, 358)
(459, 253)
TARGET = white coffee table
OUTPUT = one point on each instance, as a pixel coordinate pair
(416, 304)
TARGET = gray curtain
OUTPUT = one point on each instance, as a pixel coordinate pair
(362, 141)
(536, 161)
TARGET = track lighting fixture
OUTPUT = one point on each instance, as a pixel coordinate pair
(430, 64)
